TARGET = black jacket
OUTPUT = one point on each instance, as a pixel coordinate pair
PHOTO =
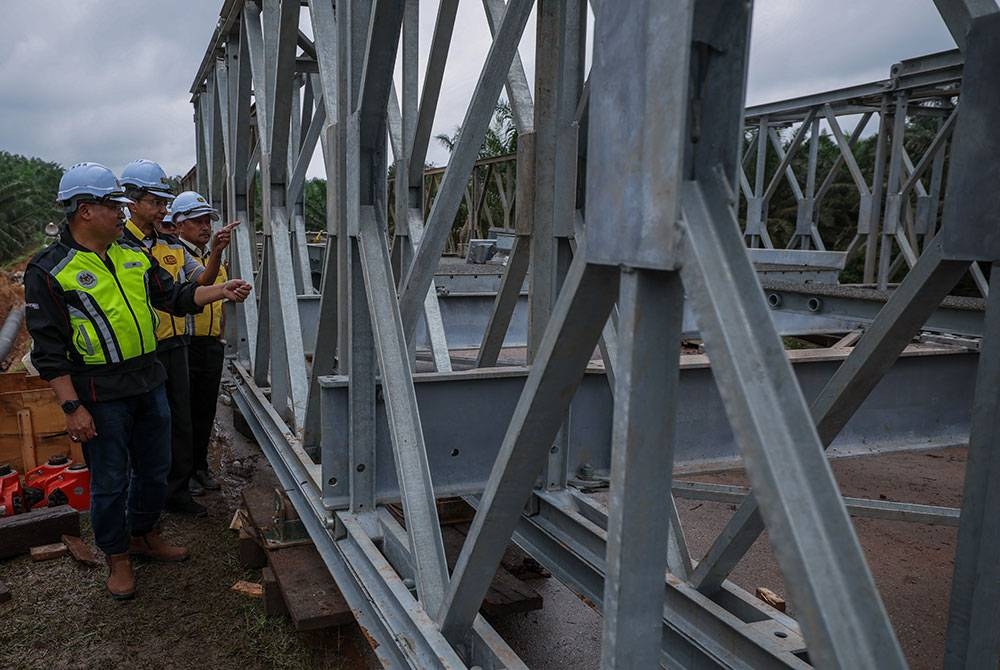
(53, 353)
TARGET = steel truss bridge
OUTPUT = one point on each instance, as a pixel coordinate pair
(629, 175)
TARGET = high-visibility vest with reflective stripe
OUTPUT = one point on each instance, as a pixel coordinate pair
(208, 323)
(170, 256)
(113, 319)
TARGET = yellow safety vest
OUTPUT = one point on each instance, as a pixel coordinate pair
(170, 256)
(114, 321)
(208, 323)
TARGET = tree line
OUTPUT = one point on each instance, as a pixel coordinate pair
(28, 189)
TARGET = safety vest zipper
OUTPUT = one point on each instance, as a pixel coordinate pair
(135, 319)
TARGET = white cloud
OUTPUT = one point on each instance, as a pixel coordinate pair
(101, 80)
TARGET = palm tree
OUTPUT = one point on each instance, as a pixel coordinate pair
(501, 135)
(500, 140)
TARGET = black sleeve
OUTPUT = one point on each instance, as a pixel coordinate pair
(48, 323)
(177, 298)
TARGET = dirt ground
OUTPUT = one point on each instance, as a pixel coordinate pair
(186, 616)
(911, 562)
(11, 295)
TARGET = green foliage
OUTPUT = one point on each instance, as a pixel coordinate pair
(495, 208)
(28, 188)
(838, 211)
(314, 195)
(501, 136)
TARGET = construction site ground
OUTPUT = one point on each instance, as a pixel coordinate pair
(12, 295)
(186, 616)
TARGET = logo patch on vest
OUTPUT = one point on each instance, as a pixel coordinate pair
(133, 264)
(86, 279)
(170, 259)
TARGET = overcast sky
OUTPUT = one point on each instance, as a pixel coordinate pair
(108, 80)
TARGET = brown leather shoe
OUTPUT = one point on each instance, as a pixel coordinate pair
(151, 545)
(121, 580)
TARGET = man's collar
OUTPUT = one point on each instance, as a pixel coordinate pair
(66, 238)
(201, 252)
(137, 233)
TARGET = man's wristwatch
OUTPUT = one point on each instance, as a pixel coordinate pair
(70, 406)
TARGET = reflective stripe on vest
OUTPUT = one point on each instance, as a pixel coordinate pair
(109, 311)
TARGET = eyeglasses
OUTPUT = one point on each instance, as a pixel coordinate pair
(156, 203)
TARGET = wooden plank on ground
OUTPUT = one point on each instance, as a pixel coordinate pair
(274, 603)
(454, 510)
(252, 555)
(258, 501)
(20, 532)
(251, 589)
(771, 598)
(515, 560)
(310, 594)
(47, 552)
(80, 550)
(506, 594)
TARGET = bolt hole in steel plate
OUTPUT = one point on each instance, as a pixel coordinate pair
(774, 300)
(361, 467)
(780, 633)
(454, 452)
(814, 304)
(332, 481)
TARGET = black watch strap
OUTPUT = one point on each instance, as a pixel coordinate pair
(70, 406)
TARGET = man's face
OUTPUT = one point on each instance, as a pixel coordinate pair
(105, 220)
(198, 230)
(168, 227)
(149, 210)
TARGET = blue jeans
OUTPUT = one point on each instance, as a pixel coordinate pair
(129, 460)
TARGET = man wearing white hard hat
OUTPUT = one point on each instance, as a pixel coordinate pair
(193, 216)
(146, 183)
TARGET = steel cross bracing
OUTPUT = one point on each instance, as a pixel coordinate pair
(627, 183)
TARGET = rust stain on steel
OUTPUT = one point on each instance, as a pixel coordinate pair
(372, 642)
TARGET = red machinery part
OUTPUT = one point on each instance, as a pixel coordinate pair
(58, 482)
(11, 493)
(70, 487)
(36, 477)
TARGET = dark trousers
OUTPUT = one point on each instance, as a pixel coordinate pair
(175, 360)
(129, 459)
(205, 360)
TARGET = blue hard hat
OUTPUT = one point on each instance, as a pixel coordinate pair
(91, 180)
(148, 176)
(191, 205)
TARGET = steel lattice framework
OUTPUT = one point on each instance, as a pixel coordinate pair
(628, 177)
